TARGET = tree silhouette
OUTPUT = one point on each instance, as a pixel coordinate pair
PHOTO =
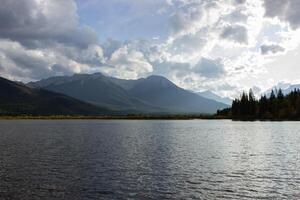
(277, 107)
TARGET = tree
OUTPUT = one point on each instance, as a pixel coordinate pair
(235, 108)
(280, 95)
(272, 102)
(244, 109)
(263, 106)
(252, 104)
(277, 106)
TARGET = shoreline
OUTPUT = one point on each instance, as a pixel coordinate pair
(143, 117)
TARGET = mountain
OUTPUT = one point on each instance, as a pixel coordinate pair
(126, 84)
(163, 93)
(152, 94)
(285, 87)
(291, 88)
(210, 95)
(96, 89)
(16, 99)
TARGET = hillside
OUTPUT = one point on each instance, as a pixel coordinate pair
(153, 94)
(18, 99)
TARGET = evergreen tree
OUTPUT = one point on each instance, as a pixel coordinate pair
(244, 109)
(263, 106)
(235, 109)
(251, 104)
(277, 106)
(272, 102)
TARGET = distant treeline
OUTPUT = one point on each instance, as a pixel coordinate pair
(111, 117)
(276, 106)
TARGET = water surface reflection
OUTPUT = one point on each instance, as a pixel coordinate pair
(149, 159)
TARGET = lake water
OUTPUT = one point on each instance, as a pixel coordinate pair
(194, 159)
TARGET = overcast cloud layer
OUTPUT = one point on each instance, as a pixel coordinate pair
(223, 46)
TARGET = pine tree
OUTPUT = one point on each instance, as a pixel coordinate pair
(277, 106)
(244, 110)
(272, 102)
(263, 106)
(251, 104)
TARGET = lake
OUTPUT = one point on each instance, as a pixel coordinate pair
(128, 159)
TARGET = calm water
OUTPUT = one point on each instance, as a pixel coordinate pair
(149, 160)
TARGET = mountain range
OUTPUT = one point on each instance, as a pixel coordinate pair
(285, 87)
(154, 94)
(210, 95)
(18, 99)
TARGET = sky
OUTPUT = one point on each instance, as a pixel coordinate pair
(225, 46)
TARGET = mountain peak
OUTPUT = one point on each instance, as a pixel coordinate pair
(19, 99)
(152, 94)
(95, 75)
(156, 77)
(159, 81)
(211, 95)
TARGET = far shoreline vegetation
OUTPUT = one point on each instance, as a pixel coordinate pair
(274, 107)
(112, 117)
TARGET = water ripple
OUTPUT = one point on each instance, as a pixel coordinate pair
(149, 160)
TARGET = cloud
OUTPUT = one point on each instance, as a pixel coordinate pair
(128, 64)
(39, 22)
(237, 16)
(111, 45)
(93, 55)
(209, 68)
(167, 68)
(240, 1)
(285, 10)
(271, 49)
(190, 16)
(190, 44)
(182, 23)
(21, 63)
(235, 33)
(42, 38)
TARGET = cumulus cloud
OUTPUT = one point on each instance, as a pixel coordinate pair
(271, 49)
(183, 22)
(236, 33)
(92, 55)
(285, 10)
(167, 68)
(42, 38)
(110, 45)
(190, 44)
(237, 16)
(190, 16)
(209, 68)
(128, 63)
(240, 1)
(38, 23)
(29, 64)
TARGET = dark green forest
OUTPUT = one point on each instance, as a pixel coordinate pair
(275, 106)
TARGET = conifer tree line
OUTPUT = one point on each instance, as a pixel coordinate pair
(276, 106)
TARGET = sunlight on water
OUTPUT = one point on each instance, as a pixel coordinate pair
(149, 160)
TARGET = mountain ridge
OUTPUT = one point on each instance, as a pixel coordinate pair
(210, 95)
(18, 99)
(151, 94)
(285, 87)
